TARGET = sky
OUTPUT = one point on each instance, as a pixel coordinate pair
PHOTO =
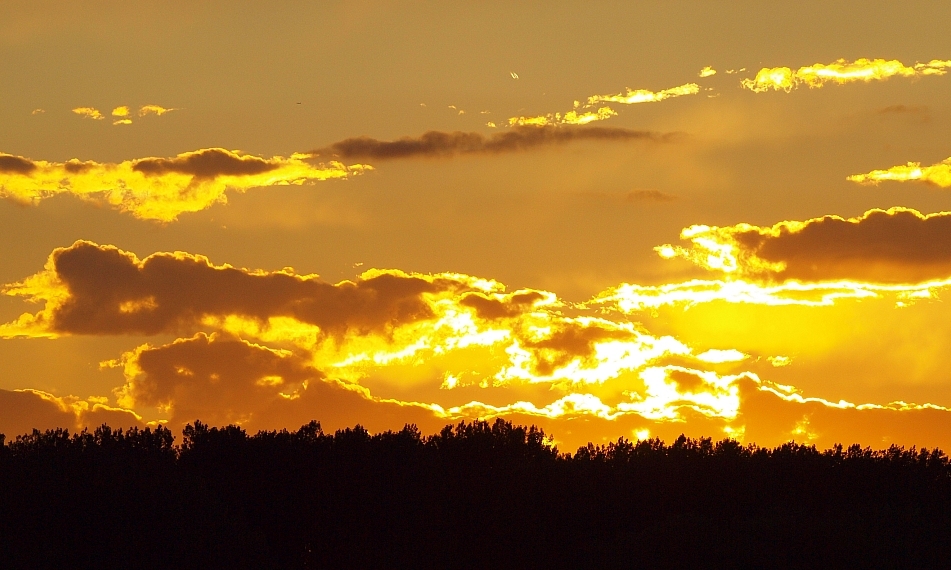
(607, 219)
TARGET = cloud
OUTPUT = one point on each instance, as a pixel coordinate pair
(632, 298)
(225, 380)
(93, 289)
(445, 144)
(21, 411)
(840, 72)
(770, 415)
(896, 246)
(10, 164)
(573, 117)
(904, 109)
(634, 96)
(153, 110)
(649, 196)
(581, 116)
(89, 113)
(206, 164)
(121, 114)
(161, 188)
(206, 376)
(936, 174)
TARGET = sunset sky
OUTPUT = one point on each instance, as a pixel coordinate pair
(607, 219)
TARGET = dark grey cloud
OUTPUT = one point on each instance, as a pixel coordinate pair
(445, 144)
(16, 164)
(111, 292)
(206, 163)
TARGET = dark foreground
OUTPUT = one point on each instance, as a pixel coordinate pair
(473, 496)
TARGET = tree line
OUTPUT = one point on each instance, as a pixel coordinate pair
(474, 495)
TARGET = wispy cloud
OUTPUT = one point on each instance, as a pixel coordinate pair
(161, 188)
(840, 72)
(445, 144)
(584, 113)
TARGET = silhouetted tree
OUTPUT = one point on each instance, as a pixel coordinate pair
(474, 495)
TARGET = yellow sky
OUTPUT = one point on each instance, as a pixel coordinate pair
(608, 220)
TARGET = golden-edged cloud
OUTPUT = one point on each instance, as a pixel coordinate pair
(445, 144)
(937, 174)
(161, 188)
(584, 113)
(92, 289)
(840, 72)
(222, 379)
(228, 380)
(895, 246)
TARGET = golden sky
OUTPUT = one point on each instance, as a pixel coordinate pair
(607, 219)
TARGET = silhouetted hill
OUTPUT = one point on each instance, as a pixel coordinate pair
(475, 495)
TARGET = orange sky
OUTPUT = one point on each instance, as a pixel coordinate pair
(605, 219)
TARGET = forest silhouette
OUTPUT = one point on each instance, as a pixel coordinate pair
(474, 495)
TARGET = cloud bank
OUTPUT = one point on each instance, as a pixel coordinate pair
(272, 349)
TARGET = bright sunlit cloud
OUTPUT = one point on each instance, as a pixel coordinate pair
(936, 174)
(840, 72)
(590, 111)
